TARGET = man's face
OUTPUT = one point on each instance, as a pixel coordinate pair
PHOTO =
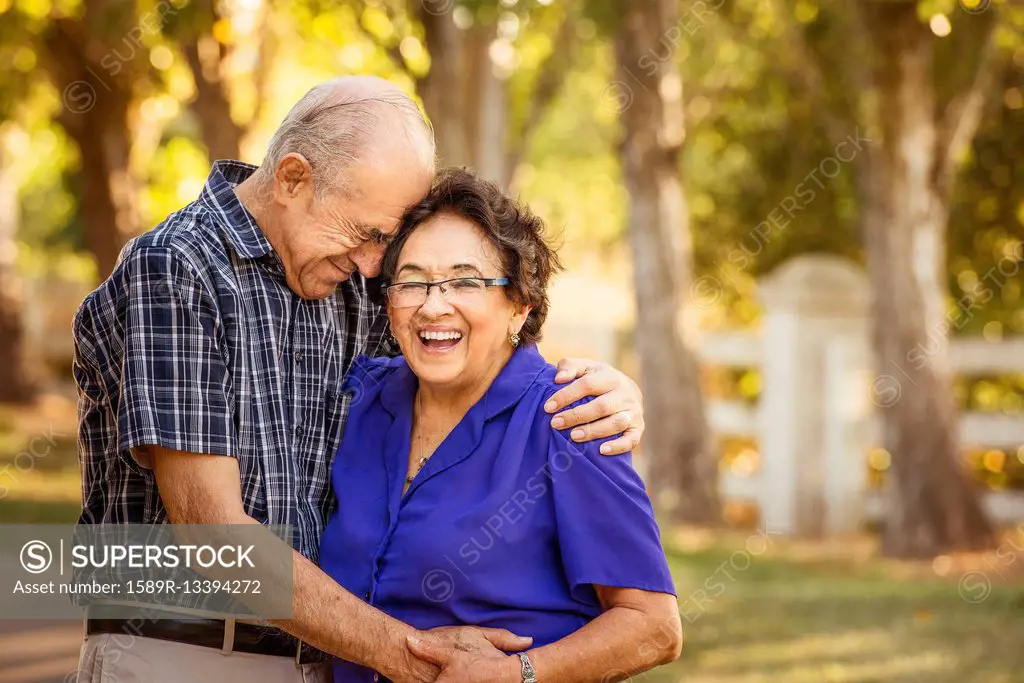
(324, 241)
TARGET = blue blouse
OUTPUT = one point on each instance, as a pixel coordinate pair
(509, 523)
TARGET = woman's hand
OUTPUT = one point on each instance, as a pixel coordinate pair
(617, 408)
(465, 656)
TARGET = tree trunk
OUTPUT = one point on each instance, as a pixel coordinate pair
(221, 135)
(466, 93)
(466, 100)
(208, 59)
(442, 89)
(486, 102)
(683, 460)
(16, 384)
(932, 505)
(109, 189)
(100, 76)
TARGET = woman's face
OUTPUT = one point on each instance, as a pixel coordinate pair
(460, 338)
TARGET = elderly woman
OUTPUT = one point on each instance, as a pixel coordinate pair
(457, 501)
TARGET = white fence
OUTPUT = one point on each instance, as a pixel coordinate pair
(815, 419)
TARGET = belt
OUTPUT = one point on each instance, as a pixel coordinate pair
(214, 633)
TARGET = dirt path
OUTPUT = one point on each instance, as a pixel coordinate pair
(39, 651)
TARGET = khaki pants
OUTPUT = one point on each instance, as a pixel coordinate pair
(118, 658)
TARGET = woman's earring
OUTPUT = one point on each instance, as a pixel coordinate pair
(514, 339)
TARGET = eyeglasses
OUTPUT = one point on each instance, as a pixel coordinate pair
(456, 290)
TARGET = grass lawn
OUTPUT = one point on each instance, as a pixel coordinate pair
(797, 613)
(755, 610)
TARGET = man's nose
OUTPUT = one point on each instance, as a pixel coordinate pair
(368, 257)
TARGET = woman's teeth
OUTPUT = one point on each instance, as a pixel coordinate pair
(440, 336)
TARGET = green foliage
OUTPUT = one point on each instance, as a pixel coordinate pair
(754, 134)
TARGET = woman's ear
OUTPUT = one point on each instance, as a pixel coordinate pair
(519, 319)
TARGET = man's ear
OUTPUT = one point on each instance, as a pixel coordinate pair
(294, 175)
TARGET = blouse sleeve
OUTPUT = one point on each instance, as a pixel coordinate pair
(606, 527)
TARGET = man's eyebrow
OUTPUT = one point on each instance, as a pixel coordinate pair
(377, 235)
(465, 267)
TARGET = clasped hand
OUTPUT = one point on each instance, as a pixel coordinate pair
(461, 654)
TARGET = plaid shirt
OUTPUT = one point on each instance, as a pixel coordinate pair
(195, 343)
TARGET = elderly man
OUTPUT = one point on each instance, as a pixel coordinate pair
(209, 367)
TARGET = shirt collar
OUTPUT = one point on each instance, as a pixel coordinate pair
(512, 382)
(508, 387)
(236, 223)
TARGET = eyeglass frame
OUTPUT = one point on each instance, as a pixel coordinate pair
(488, 282)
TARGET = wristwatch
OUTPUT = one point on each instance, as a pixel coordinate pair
(529, 673)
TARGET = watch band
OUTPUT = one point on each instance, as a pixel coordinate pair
(529, 673)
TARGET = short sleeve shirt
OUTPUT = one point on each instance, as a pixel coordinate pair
(195, 343)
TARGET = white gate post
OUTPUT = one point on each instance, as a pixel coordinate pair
(809, 302)
(847, 433)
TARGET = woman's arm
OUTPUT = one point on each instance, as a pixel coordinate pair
(638, 630)
(609, 543)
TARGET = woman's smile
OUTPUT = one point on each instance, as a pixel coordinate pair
(440, 340)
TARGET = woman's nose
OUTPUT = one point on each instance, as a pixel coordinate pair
(435, 303)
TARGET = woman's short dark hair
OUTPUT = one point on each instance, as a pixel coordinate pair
(527, 259)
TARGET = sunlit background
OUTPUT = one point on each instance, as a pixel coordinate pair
(111, 111)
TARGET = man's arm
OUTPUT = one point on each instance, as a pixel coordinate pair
(617, 409)
(205, 489)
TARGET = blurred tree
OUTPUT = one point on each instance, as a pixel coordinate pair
(467, 90)
(884, 81)
(97, 61)
(649, 90)
(932, 505)
(204, 32)
(16, 61)
(15, 382)
(754, 146)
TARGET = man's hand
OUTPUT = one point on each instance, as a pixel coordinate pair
(478, 639)
(618, 406)
(469, 654)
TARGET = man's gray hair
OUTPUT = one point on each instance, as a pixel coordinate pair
(336, 123)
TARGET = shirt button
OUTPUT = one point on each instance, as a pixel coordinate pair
(367, 596)
(298, 357)
(376, 677)
(298, 430)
